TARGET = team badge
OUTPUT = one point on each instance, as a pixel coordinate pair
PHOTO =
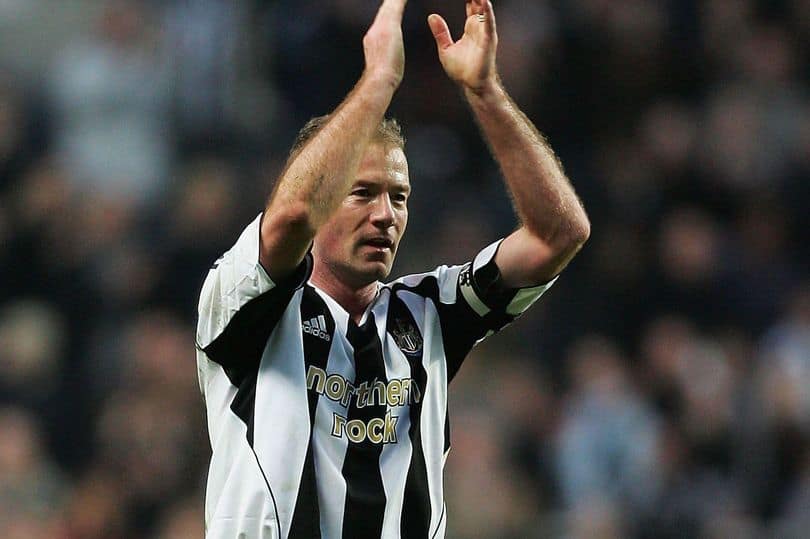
(406, 336)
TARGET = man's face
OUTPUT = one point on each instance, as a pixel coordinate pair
(360, 240)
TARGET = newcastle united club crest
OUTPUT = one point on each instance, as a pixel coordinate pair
(406, 336)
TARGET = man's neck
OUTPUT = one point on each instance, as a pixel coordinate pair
(354, 300)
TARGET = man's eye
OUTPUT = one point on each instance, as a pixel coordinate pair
(361, 193)
(400, 197)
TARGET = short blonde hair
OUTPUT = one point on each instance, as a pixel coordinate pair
(388, 132)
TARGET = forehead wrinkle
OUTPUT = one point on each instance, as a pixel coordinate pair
(384, 165)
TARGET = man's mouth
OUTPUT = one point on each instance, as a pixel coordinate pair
(380, 242)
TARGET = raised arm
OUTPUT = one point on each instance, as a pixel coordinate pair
(554, 225)
(316, 179)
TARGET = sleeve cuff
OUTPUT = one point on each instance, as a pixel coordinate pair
(482, 288)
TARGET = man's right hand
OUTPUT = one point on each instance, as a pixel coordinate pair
(383, 46)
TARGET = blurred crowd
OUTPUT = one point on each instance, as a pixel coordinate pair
(661, 389)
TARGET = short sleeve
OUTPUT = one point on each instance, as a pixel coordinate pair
(475, 303)
(239, 302)
(483, 290)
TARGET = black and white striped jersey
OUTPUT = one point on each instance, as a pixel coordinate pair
(325, 428)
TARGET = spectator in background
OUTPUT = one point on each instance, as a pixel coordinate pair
(204, 42)
(784, 354)
(31, 487)
(110, 95)
(774, 446)
(607, 446)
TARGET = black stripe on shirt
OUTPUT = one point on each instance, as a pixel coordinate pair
(447, 428)
(306, 517)
(365, 495)
(239, 348)
(461, 325)
(416, 510)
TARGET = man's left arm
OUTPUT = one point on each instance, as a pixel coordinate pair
(554, 225)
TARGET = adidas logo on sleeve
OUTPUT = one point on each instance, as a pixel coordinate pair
(317, 327)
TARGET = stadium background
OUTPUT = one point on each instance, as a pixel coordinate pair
(661, 389)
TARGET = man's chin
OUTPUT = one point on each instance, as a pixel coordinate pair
(375, 270)
(361, 271)
(380, 271)
(368, 268)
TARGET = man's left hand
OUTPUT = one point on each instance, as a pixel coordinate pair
(470, 61)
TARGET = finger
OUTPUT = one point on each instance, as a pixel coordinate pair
(470, 7)
(440, 30)
(489, 13)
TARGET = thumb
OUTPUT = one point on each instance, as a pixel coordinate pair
(441, 33)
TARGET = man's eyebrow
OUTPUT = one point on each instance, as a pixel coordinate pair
(398, 186)
(363, 183)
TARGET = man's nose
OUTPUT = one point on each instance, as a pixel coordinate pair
(383, 212)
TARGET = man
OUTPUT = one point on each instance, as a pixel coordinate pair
(326, 391)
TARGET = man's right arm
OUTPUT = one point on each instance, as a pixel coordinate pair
(318, 178)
